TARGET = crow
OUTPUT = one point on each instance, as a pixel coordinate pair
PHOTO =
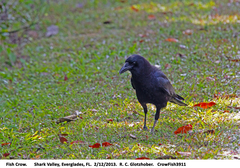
(151, 85)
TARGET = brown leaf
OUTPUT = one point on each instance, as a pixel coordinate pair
(235, 60)
(6, 154)
(7, 143)
(67, 118)
(65, 77)
(184, 153)
(151, 17)
(133, 136)
(62, 138)
(188, 32)
(134, 9)
(167, 66)
(109, 120)
(171, 40)
(52, 30)
(107, 22)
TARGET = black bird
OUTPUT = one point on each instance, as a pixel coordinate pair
(151, 85)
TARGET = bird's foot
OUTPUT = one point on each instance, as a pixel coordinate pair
(145, 128)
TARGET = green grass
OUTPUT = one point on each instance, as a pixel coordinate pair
(34, 94)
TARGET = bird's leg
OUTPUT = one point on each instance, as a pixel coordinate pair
(156, 119)
(145, 118)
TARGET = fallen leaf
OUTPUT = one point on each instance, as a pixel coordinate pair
(77, 142)
(96, 145)
(62, 138)
(166, 157)
(205, 105)
(109, 120)
(134, 9)
(183, 129)
(133, 136)
(107, 22)
(171, 40)
(140, 41)
(6, 154)
(142, 158)
(188, 32)
(65, 77)
(226, 111)
(52, 30)
(235, 60)
(7, 143)
(106, 144)
(67, 118)
(108, 156)
(209, 132)
(167, 66)
(184, 153)
(151, 17)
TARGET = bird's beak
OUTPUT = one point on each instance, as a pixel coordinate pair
(125, 67)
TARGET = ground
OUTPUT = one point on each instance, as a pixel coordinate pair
(75, 71)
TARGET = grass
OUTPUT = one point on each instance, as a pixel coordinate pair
(88, 55)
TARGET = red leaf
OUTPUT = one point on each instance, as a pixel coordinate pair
(183, 129)
(106, 144)
(65, 77)
(235, 60)
(159, 144)
(6, 154)
(140, 41)
(184, 153)
(77, 141)
(142, 158)
(62, 138)
(151, 17)
(205, 105)
(109, 120)
(171, 40)
(96, 145)
(134, 9)
(7, 143)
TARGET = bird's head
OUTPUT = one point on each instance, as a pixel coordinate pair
(135, 64)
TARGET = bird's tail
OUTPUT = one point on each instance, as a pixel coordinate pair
(177, 101)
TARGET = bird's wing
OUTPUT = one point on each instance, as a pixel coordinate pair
(164, 84)
(132, 83)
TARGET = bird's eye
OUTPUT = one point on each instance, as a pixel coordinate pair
(134, 63)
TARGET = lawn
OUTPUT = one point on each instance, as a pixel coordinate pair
(76, 72)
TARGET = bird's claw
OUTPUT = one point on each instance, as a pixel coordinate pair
(145, 128)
